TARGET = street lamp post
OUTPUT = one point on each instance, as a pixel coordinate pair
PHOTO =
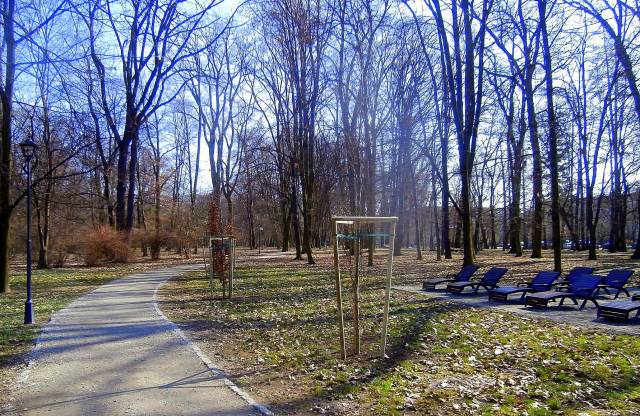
(28, 150)
(260, 229)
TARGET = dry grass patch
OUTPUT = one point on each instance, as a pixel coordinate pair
(278, 339)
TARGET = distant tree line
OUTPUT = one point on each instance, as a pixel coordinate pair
(481, 124)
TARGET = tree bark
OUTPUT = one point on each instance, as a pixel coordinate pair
(6, 101)
(553, 141)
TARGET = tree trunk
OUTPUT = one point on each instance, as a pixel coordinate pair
(457, 238)
(295, 217)
(43, 235)
(155, 247)
(434, 202)
(416, 217)
(553, 142)
(591, 224)
(515, 223)
(6, 102)
(636, 252)
(536, 229)
(4, 251)
(229, 210)
(121, 186)
(465, 205)
(133, 167)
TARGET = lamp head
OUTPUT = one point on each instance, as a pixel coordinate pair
(28, 148)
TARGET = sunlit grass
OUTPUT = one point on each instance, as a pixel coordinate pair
(444, 359)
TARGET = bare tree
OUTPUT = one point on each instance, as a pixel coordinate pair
(152, 41)
(18, 28)
(460, 47)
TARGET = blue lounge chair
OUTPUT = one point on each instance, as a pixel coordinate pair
(619, 310)
(575, 272)
(489, 281)
(540, 283)
(582, 287)
(615, 279)
(464, 275)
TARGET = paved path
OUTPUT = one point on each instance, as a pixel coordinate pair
(111, 353)
(568, 315)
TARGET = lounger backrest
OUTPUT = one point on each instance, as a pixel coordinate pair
(493, 276)
(618, 277)
(585, 284)
(578, 271)
(466, 273)
(543, 281)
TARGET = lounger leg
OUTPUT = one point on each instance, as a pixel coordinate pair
(561, 302)
(626, 292)
(606, 289)
(588, 299)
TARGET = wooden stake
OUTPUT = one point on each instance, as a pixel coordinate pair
(356, 293)
(232, 263)
(336, 260)
(211, 267)
(387, 293)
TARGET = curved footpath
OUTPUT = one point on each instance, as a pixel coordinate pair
(112, 352)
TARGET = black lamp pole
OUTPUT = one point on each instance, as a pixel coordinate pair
(259, 239)
(28, 150)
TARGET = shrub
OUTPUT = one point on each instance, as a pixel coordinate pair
(59, 253)
(64, 247)
(104, 244)
(151, 241)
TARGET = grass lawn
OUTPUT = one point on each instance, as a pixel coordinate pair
(53, 289)
(278, 340)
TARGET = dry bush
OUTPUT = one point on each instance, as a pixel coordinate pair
(154, 242)
(177, 241)
(64, 247)
(104, 244)
(59, 253)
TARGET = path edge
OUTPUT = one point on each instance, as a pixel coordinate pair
(34, 353)
(262, 409)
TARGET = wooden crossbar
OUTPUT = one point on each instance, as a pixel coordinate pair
(360, 219)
